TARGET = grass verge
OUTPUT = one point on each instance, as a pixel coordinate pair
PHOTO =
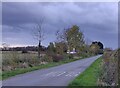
(89, 77)
(8, 74)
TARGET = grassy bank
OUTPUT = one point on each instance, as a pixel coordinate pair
(89, 77)
(109, 74)
(8, 74)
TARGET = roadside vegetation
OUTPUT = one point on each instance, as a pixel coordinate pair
(69, 46)
(89, 76)
(7, 74)
(103, 72)
(110, 71)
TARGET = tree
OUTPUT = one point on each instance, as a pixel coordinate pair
(39, 34)
(61, 47)
(94, 48)
(61, 35)
(101, 45)
(51, 48)
(5, 46)
(75, 38)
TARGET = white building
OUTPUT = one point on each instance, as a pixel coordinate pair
(71, 52)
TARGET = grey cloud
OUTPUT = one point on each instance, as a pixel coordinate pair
(99, 17)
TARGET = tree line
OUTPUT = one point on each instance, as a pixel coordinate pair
(68, 40)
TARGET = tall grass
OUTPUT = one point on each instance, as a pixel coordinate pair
(15, 62)
(12, 60)
(7, 74)
(109, 73)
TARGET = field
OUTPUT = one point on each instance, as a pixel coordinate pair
(12, 60)
(14, 63)
(15, 59)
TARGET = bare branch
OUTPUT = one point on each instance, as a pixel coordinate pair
(39, 34)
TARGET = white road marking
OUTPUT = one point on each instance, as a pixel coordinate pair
(76, 75)
(59, 73)
(49, 73)
(70, 74)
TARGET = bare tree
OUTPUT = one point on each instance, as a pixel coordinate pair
(39, 34)
(5, 46)
(61, 36)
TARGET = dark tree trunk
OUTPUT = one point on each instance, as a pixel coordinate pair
(39, 49)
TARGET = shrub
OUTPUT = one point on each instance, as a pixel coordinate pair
(33, 61)
(109, 74)
(70, 56)
(47, 58)
(57, 58)
(24, 51)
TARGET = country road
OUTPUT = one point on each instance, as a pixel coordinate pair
(60, 75)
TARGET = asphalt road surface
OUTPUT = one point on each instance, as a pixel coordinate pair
(60, 75)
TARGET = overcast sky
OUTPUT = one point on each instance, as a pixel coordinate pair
(98, 21)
